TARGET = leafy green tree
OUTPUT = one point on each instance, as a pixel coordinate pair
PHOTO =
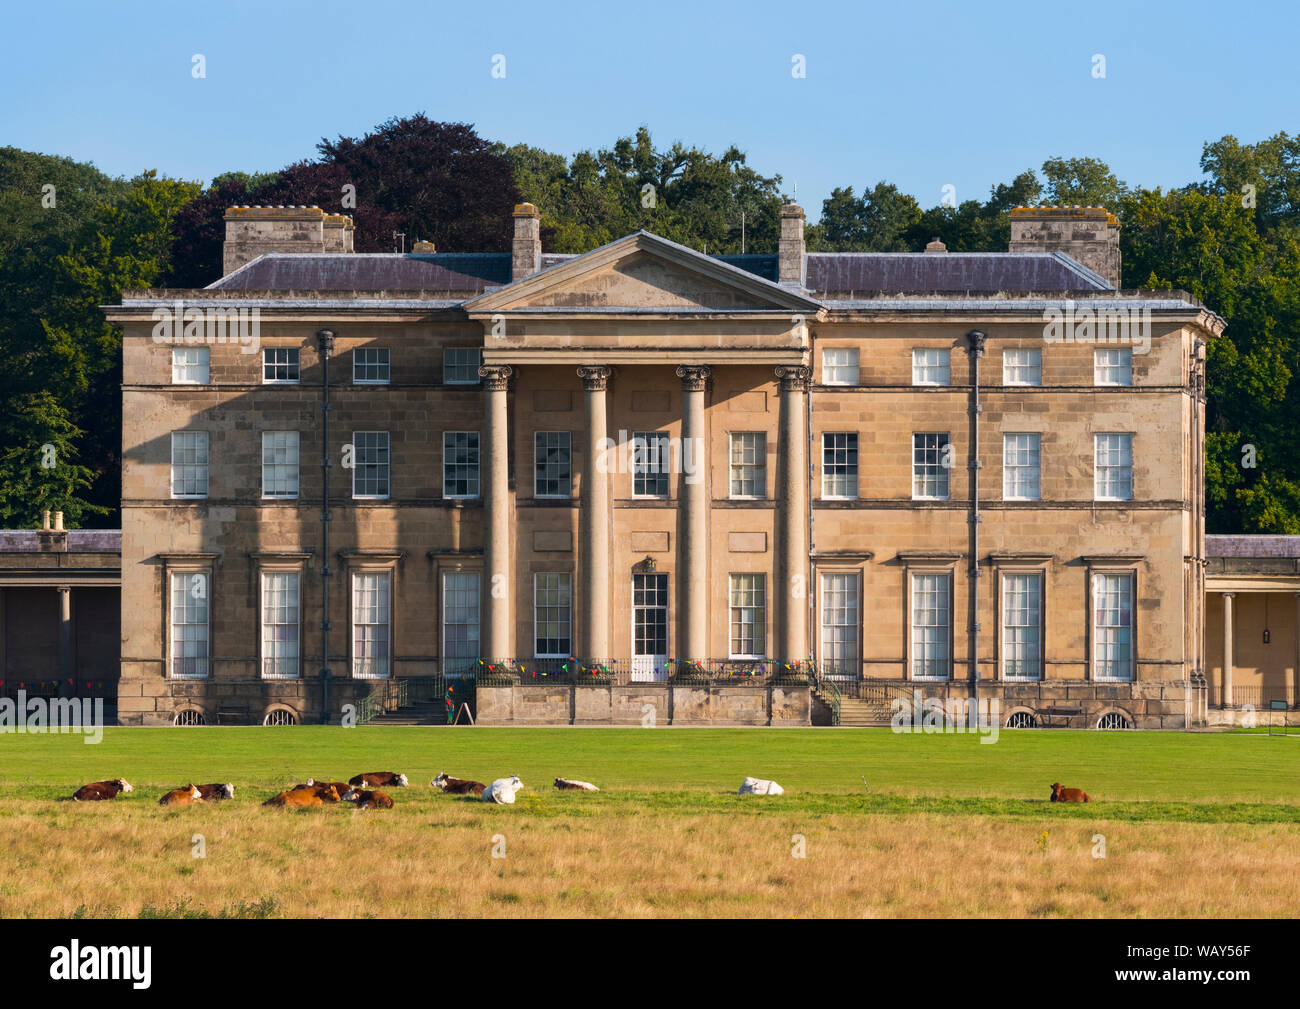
(1084, 182)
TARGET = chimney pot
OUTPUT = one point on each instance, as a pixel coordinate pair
(45, 519)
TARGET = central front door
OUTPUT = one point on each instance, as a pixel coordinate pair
(649, 627)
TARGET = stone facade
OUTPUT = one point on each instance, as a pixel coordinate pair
(788, 526)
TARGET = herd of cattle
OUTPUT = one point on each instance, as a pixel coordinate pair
(364, 791)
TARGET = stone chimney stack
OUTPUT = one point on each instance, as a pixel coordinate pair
(527, 250)
(1089, 235)
(790, 259)
(253, 231)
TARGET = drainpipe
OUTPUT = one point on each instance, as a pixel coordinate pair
(976, 338)
(325, 343)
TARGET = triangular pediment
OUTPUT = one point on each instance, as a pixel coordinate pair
(643, 273)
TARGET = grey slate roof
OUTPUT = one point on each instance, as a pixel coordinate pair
(468, 272)
(95, 541)
(1257, 545)
(861, 274)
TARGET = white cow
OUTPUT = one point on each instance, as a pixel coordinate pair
(572, 784)
(758, 786)
(502, 790)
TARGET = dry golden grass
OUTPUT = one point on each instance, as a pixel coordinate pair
(434, 858)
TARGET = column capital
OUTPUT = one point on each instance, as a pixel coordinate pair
(794, 377)
(695, 377)
(595, 377)
(1228, 595)
(495, 376)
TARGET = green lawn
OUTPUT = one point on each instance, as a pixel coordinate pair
(916, 771)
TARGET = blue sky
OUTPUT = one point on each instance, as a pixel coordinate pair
(920, 94)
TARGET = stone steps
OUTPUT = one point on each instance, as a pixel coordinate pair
(863, 714)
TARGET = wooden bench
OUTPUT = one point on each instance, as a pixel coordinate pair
(1064, 711)
(232, 714)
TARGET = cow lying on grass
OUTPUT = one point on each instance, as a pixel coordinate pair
(568, 784)
(339, 786)
(186, 796)
(758, 786)
(457, 786)
(97, 791)
(502, 790)
(300, 798)
(366, 799)
(1060, 794)
(377, 779)
(216, 792)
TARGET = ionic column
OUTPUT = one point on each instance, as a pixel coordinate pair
(792, 532)
(497, 587)
(1227, 648)
(594, 517)
(693, 518)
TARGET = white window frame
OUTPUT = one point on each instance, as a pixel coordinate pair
(651, 460)
(382, 360)
(752, 467)
(387, 465)
(1108, 638)
(182, 582)
(458, 602)
(1021, 461)
(1022, 366)
(200, 446)
(544, 443)
(371, 659)
(924, 469)
(931, 366)
(564, 581)
(1014, 643)
(292, 361)
(279, 463)
(201, 365)
(840, 465)
(756, 624)
(1106, 466)
(450, 365)
(935, 633)
(474, 470)
(840, 623)
(291, 603)
(843, 369)
(1112, 366)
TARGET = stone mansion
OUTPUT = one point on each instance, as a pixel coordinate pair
(964, 473)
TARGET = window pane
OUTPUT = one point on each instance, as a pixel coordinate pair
(552, 464)
(280, 464)
(552, 615)
(370, 624)
(1022, 622)
(460, 365)
(190, 464)
(839, 465)
(460, 621)
(931, 460)
(190, 365)
(650, 462)
(1113, 467)
(279, 364)
(839, 366)
(280, 624)
(370, 460)
(189, 624)
(1113, 626)
(1022, 366)
(460, 464)
(931, 620)
(748, 616)
(840, 629)
(749, 465)
(1021, 467)
(930, 366)
(1113, 367)
(370, 365)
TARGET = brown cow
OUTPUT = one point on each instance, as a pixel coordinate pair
(97, 791)
(1060, 794)
(300, 798)
(217, 791)
(366, 799)
(186, 796)
(457, 786)
(312, 783)
(374, 779)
